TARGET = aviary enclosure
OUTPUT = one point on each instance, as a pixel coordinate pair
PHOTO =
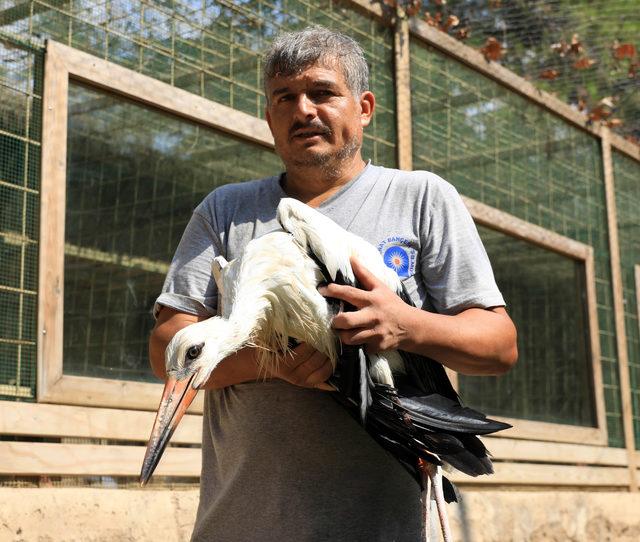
(118, 116)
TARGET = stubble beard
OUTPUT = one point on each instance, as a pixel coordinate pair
(330, 163)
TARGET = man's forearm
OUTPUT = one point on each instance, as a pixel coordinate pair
(474, 342)
(238, 368)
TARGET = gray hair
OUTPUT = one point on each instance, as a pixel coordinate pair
(292, 52)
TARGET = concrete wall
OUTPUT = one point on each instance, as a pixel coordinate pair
(101, 515)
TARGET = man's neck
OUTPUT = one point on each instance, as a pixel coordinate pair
(313, 185)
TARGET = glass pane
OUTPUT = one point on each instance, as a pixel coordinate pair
(552, 380)
(134, 176)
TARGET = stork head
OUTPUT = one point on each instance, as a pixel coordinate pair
(191, 356)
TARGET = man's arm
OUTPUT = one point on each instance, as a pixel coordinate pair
(474, 342)
(304, 367)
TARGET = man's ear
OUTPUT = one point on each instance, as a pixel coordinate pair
(267, 116)
(367, 106)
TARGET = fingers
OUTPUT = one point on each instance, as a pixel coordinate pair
(367, 279)
(306, 367)
(358, 298)
(354, 319)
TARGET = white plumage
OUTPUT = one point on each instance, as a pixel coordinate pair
(269, 295)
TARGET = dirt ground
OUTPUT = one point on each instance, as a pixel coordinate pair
(106, 515)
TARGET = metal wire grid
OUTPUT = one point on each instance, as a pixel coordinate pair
(20, 99)
(552, 379)
(210, 48)
(501, 149)
(528, 28)
(134, 176)
(627, 184)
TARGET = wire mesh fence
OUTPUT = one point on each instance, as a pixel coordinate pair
(503, 150)
(627, 182)
(134, 174)
(20, 110)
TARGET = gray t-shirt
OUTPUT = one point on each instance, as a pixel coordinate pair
(283, 463)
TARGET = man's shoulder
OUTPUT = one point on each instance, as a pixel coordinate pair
(417, 181)
(227, 197)
(242, 189)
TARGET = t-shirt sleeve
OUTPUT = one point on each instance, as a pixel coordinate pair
(189, 286)
(454, 263)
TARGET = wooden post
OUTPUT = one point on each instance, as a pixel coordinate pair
(618, 308)
(403, 90)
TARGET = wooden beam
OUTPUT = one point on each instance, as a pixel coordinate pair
(55, 421)
(618, 307)
(507, 449)
(524, 474)
(51, 459)
(521, 229)
(141, 88)
(476, 61)
(552, 432)
(52, 221)
(112, 393)
(403, 91)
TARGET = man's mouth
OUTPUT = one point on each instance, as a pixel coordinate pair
(308, 132)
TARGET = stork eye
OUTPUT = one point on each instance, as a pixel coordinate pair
(194, 351)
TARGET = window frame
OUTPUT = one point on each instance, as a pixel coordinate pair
(520, 229)
(62, 65)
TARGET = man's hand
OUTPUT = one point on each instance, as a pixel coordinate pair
(306, 367)
(475, 341)
(378, 322)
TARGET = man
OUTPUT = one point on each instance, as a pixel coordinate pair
(281, 459)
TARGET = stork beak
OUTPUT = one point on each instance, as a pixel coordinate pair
(176, 398)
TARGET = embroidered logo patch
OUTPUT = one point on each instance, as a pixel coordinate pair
(398, 255)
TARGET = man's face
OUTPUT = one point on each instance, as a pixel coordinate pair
(315, 118)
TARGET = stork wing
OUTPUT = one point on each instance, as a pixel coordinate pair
(331, 245)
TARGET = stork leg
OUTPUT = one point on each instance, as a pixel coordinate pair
(426, 502)
(435, 476)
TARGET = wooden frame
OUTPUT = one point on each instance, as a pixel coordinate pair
(520, 229)
(62, 64)
(553, 465)
(618, 307)
(609, 465)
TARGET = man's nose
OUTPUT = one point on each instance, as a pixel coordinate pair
(305, 108)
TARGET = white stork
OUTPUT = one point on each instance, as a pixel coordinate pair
(269, 295)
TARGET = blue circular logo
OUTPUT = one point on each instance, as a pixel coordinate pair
(397, 259)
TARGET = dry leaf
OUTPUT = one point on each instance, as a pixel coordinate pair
(614, 123)
(583, 63)
(440, 2)
(413, 7)
(451, 22)
(463, 33)
(429, 19)
(549, 74)
(633, 69)
(632, 138)
(495, 3)
(582, 104)
(624, 50)
(576, 46)
(560, 48)
(492, 49)
(603, 110)
(607, 102)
